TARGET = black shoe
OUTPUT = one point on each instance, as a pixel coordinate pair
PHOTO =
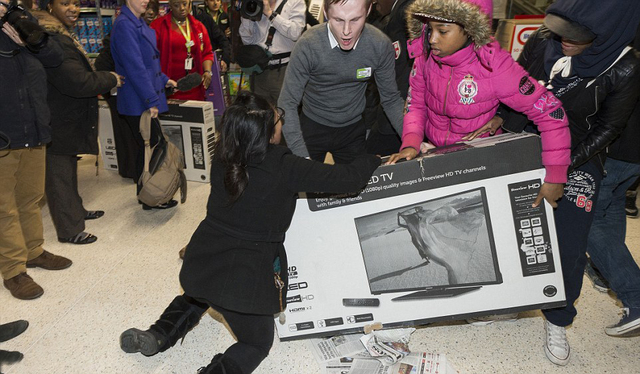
(630, 205)
(10, 330)
(94, 214)
(145, 342)
(10, 357)
(81, 238)
(169, 204)
(174, 323)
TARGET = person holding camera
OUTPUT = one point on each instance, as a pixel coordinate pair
(25, 123)
(329, 70)
(287, 18)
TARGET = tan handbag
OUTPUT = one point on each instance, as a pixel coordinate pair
(163, 171)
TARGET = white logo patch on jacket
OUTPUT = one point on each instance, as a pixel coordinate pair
(467, 89)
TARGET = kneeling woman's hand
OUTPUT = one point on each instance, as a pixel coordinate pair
(551, 192)
(407, 153)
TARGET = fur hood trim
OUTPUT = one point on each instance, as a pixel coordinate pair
(50, 23)
(470, 16)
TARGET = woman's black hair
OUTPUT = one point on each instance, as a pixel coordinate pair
(244, 133)
(155, 6)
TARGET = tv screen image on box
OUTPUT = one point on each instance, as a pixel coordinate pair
(440, 247)
(175, 136)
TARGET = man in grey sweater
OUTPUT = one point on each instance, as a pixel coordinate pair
(329, 69)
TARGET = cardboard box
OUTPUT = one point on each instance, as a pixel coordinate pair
(512, 34)
(499, 9)
(105, 136)
(445, 237)
(190, 126)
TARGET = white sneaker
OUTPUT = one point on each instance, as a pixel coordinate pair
(556, 346)
(487, 320)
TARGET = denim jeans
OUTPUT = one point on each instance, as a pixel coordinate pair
(606, 245)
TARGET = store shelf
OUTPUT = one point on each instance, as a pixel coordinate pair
(103, 11)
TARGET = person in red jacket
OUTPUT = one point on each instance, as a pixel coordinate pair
(184, 48)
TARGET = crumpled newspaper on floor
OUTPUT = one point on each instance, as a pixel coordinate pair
(389, 346)
(380, 352)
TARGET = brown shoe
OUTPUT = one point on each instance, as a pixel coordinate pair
(49, 261)
(23, 287)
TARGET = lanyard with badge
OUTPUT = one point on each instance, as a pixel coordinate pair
(188, 62)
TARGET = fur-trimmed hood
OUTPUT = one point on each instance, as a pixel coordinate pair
(473, 15)
(54, 26)
(50, 23)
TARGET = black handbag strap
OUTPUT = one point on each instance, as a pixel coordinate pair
(272, 30)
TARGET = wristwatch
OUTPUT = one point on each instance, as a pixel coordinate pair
(272, 16)
(207, 71)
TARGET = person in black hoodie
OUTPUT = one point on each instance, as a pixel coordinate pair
(383, 139)
(24, 122)
(584, 59)
(606, 246)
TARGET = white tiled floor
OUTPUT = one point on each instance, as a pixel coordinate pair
(130, 274)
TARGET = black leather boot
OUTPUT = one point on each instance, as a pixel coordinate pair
(175, 322)
(221, 365)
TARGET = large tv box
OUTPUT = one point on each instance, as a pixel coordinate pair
(190, 126)
(447, 236)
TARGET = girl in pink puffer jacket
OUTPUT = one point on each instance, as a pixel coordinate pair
(460, 76)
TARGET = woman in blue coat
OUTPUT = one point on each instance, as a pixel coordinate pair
(133, 46)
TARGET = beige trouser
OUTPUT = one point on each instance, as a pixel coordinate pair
(21, 189)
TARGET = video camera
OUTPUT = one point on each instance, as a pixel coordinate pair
(250, 9)
(33, 36)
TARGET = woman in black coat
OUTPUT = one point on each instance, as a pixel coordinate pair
(73, 89)
(235, 261)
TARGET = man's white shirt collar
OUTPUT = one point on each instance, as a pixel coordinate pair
(334, 43)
